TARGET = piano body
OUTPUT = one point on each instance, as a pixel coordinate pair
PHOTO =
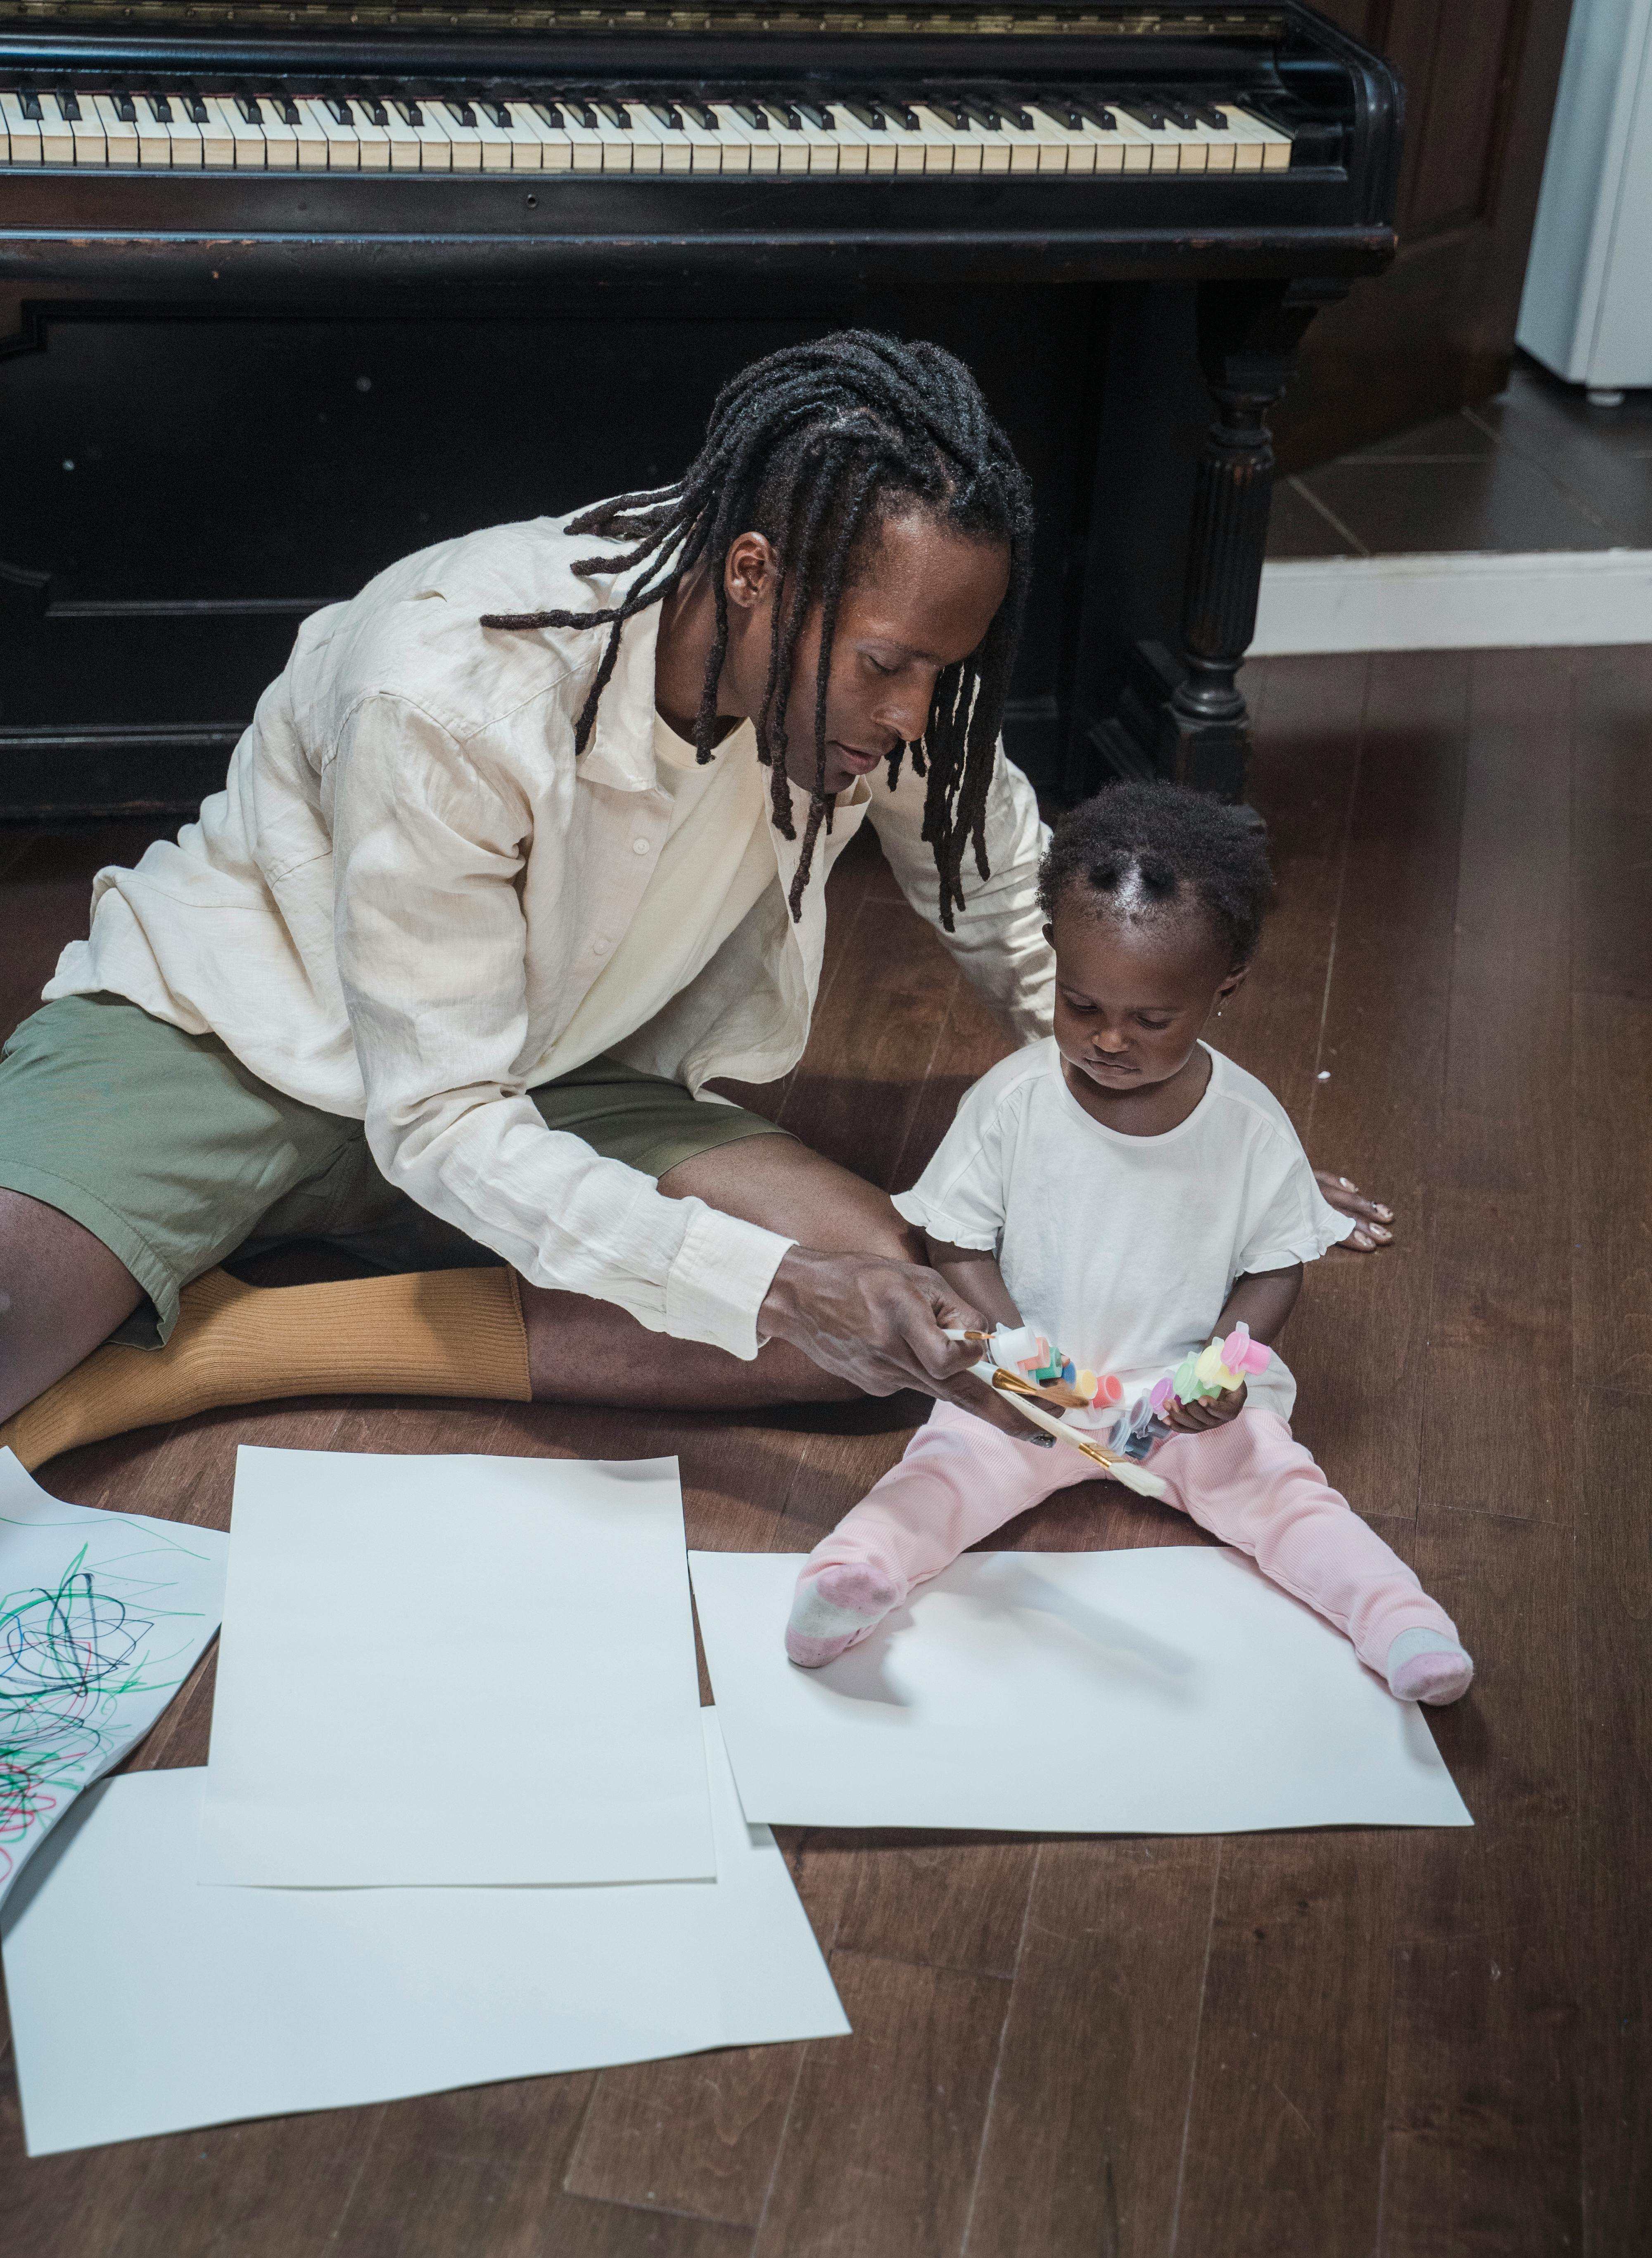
(286, 291)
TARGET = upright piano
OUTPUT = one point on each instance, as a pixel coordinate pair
(289, 290)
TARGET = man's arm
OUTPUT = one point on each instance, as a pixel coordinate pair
(431, 948)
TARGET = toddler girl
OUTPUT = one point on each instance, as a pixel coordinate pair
(1133, 1194)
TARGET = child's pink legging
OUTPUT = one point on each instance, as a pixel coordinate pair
(1250, 1483)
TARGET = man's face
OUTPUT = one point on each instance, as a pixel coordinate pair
(923, 601)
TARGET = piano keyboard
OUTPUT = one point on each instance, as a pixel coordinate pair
(968, 134)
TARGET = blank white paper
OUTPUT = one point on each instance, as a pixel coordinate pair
(102, 1617)
(455, 1670)
(1168, 1691)
(144, 2003)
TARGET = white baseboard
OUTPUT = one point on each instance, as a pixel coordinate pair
(1456, 601)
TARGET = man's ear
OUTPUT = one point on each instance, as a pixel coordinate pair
(750, 569)
(1049, 935)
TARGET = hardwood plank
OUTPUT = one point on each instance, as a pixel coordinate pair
(453, 2173)
(1358, 1340)
(274, 2188)
(1481, 2153)
(1284, 2139)
(880, 2147)
(1612, 815)
(698, 2136)
(1084, 2139)
(938, 1902)
(1614, 1822)
(1306, 768)
(1612, 1194)
(1501, 1291)
(854, 1094)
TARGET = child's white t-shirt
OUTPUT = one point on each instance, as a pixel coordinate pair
(1124, 1249)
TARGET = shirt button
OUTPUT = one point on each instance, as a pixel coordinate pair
(599, 947)
(639, 846)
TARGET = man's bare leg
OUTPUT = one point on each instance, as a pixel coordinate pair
(61, 1293)
(586, 1351)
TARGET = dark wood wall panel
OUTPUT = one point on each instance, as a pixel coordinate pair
(1437, 330)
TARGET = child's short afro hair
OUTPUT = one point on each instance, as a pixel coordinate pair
(1138, 847)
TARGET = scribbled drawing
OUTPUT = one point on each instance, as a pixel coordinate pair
(69, 1654)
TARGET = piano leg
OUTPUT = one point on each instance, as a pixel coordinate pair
(1248, 337)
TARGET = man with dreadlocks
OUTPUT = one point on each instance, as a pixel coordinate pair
(497, 886)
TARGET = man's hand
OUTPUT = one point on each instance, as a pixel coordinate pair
(1213, 1411)
(1370, 1215)
(878, 1322)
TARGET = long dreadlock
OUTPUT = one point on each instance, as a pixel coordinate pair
(814, 447)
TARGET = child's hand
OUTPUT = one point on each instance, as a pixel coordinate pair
(1214, 1411)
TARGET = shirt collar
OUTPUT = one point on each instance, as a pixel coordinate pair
(621, 753)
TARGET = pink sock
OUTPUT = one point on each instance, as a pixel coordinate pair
(1425, 1666)
(831, 1611)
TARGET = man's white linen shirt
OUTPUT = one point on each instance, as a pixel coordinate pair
(398, 905)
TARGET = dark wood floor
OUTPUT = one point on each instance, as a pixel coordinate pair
(1331, 2044)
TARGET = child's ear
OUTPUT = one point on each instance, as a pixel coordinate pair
(1234, 979)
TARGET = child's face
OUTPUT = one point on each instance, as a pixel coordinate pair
(1132, 996)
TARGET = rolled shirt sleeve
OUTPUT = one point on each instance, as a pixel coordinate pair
(998, 937)
(429, 844)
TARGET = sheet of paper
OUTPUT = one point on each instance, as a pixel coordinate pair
(142, 2002)
(102, 1617)
(1171, 1691)
(455, 1670)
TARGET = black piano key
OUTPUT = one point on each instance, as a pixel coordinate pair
(952, 111)
(159, 108)
(496, 112)
(865, 113)
(195, 111)
(339, 107)
(69, 105)
(248, 106)
(668, 113)
(29, 102)
(125, 108)
(617, 114)
(1146, 113)
(900, 109)
(551, 113)
(749, 113)
(412, 113)
(702, 113)
(581, 111)
(973, 110)
(462, 113)
(817, 114)
(1095, 114)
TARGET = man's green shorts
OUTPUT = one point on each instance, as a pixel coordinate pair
(166, 1148)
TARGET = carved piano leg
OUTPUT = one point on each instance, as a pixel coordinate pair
(1248, 337)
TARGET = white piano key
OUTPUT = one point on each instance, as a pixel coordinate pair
(464, 140)
(120, 134)
(964, 148)
(734, 149)
(313, 136)
(374, 139)
(832, 149)
(281, 139)
(1258, 148)
(499, 147)
(23, 134)
(877, 141)
(86, 131)
(587, 149)
(762, 149)
(995, 151)
(790, 141)
(217, 139)
(407, 145)
(556, 149)
(676, 151)
(183, 135)
(1028, 142)
(248, 139)
(705, 145)
(343, 147)
(1137, 146)
(1079, 150)
(636, 150)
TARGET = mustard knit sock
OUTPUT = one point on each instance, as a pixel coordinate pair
(433, 1332)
